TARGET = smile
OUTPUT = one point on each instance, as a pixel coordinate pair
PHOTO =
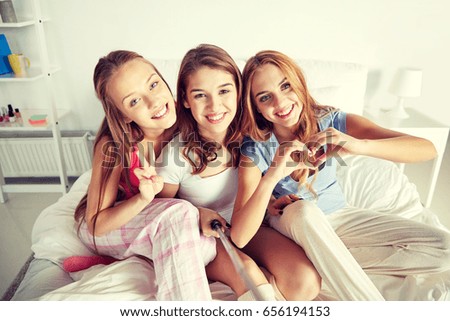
(285, 113)
(161, 113)
(216, 118)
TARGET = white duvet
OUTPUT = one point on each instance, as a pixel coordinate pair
(368, 183)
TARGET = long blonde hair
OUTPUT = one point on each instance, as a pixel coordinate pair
(121, 135)
(214, 57)
(256, 126)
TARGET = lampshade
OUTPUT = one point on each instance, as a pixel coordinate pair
(407, 82)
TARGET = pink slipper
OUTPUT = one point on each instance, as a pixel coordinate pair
(78, 263)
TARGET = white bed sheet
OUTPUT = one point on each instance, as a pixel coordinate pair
(370, 183)
(367, 183)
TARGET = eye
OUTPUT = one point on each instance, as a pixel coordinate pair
(199, 96)
(264, 98)
(224, 91)
(134, 101)
(285, 86)
(153, 85)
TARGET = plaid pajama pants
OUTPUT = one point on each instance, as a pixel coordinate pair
(166, 232)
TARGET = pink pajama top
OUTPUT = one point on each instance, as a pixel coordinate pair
(134, 181)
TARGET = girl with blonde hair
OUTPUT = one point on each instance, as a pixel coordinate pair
(288, 166)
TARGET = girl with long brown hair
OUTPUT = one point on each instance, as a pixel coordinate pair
(289, 166)
(201, 166)
(120, 216)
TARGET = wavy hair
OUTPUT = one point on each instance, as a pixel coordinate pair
(206, 55)
(257, 127)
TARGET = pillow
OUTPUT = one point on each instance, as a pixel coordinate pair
(330, 96)
(378, 185)
(54, 236)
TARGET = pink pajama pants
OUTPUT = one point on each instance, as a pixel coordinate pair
(166, 232)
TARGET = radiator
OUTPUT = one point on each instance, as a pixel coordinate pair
(36, 156)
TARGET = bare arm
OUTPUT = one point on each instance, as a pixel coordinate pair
(110, 217)
(388, 144)
(253, 195)
(169, 190)
(366, 138)
(255, 191)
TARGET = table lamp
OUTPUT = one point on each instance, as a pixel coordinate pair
(407, 83)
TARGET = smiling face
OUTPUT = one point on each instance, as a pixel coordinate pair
(143, 97)
(212, 98)
(275, 98)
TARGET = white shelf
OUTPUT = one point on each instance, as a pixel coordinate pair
(40, 69)
(25, 126)
(18, 24)
(31, 75)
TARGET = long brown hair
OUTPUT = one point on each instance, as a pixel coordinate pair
(256, 126)
(214, 57)
(121, 135)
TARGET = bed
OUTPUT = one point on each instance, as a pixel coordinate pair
(370, 183)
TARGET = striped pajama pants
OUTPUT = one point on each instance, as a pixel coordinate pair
(166, 232)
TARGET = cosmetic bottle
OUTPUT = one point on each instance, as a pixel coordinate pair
(5, 115)
(2, 118)
(18, 116)
(17, 113)
(11, 116)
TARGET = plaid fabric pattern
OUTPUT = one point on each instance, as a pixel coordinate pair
(166, 232)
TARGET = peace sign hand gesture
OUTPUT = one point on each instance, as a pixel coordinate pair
(150, 183)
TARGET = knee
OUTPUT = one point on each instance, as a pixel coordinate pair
(301, 214)
(180, 210)
(302, 285)
(253, 270)
(445, 245)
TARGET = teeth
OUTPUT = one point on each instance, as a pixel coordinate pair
(215, 117)
(161, 112)
(285, 112)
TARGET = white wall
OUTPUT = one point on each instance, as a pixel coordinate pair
(383, 34)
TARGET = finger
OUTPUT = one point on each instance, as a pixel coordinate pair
(149, 165)
(294, 197)
(156, 179)
(139, 172)
(222, 221)
(333, 137)
(282, 202)
(322, 159)
(287, 148)
(142, 173)
(276, 213)
(209, 232)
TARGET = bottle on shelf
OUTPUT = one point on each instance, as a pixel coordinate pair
(5, 114)
(12, 117)
(18, 115)
(2, 115)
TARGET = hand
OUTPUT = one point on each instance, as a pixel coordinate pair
(276, 205)
(206, 217)
(283, 164)
(336, 142)
(150, 183)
